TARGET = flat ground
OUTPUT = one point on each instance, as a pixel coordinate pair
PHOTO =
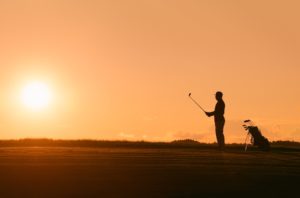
(62, 172)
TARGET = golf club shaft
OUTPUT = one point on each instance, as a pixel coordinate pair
(197, 104)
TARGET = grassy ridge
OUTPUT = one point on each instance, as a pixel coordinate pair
(187, 143)
(99, 143)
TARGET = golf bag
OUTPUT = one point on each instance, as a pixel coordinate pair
(257, 139)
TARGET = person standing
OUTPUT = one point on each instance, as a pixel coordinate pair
(219, 119)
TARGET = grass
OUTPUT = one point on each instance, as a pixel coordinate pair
(185, 168)
(186, 143)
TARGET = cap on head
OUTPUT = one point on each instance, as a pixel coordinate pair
(219, 94)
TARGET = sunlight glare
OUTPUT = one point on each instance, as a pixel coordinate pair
(36, 95)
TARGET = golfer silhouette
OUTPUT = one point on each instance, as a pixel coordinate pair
(218, 114)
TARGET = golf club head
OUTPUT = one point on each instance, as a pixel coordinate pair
(190, 94)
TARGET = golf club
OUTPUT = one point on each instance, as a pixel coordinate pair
(190, 96)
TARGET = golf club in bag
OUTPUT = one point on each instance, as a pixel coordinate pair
(256, 138)
(190, 96)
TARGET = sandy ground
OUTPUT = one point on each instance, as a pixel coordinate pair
(62, 172)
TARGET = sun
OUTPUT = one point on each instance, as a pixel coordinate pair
(36, 95)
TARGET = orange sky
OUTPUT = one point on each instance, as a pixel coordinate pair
(123, 69)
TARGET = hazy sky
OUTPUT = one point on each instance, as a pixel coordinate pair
(123, 69)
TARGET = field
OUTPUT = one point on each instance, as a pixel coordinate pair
(146, 170)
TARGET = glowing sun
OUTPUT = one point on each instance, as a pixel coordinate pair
(36, 95)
